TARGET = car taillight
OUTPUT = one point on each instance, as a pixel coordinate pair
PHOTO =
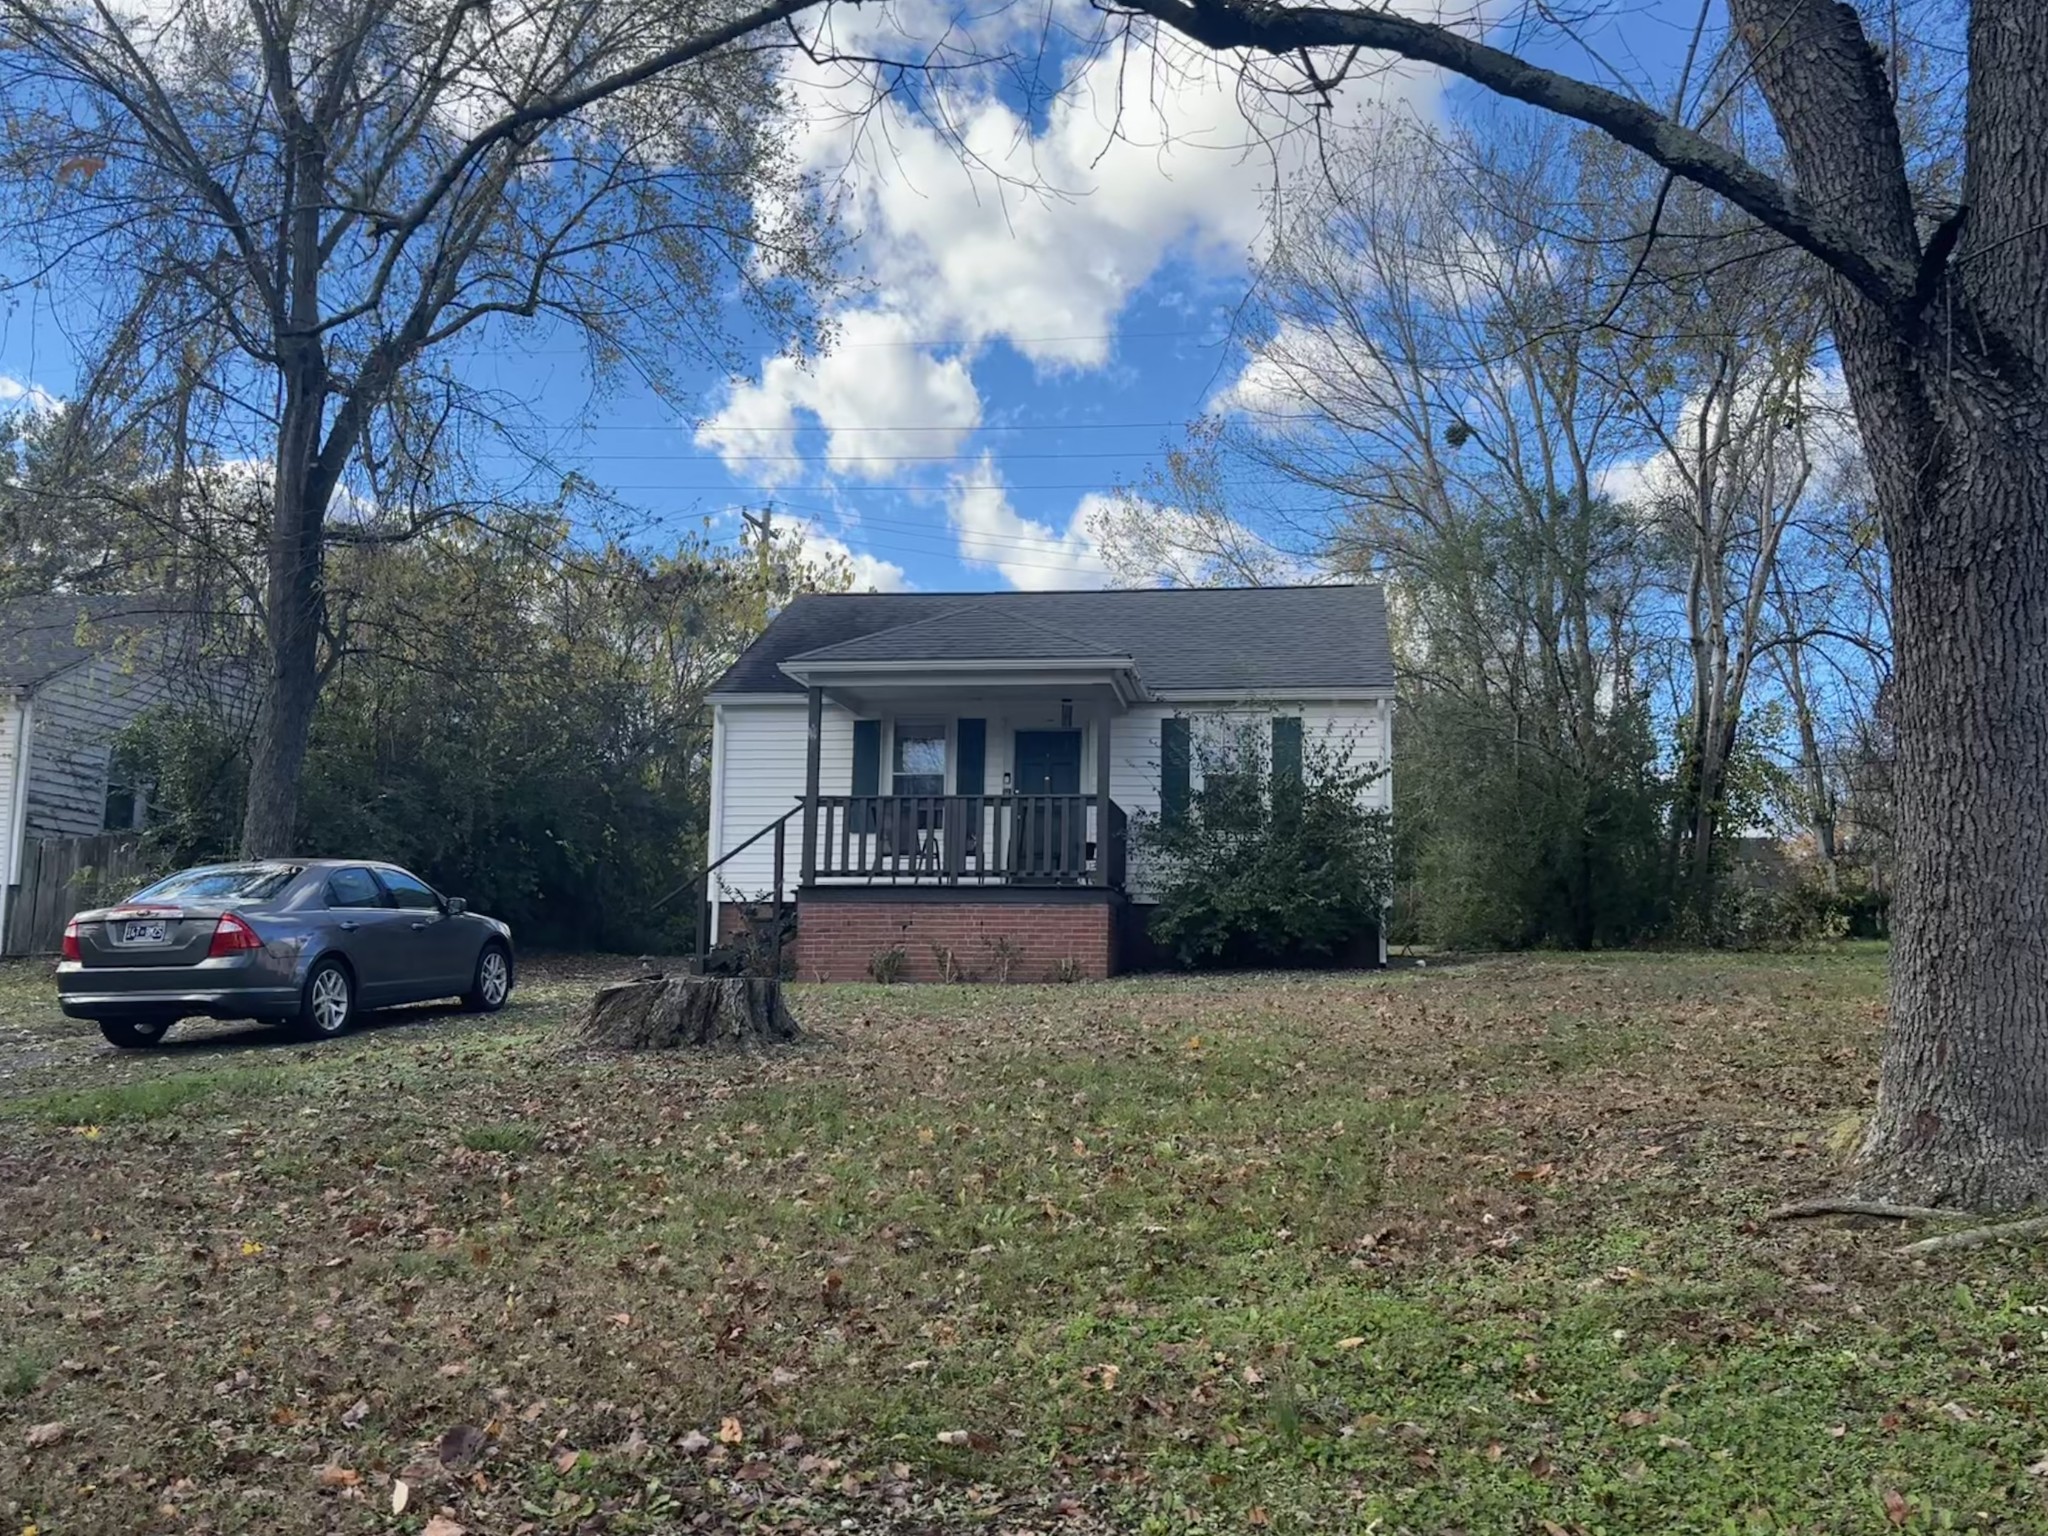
(231, 936)
(71, 940)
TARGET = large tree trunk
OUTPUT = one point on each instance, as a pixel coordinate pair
(1951, 407)
(293, 615)
(1962, 1112)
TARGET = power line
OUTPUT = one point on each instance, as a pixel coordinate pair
(773, 492)
(966, 458)
(1033, 426)
(962, 341)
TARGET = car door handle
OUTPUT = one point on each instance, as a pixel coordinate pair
(348, 927)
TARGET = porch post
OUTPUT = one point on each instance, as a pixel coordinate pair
(811, 750)
(1102, 796)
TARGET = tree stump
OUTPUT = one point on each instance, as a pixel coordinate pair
(660, 1013)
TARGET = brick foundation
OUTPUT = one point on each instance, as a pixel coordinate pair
(840, 932)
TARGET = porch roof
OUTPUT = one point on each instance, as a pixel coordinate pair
(980, 632)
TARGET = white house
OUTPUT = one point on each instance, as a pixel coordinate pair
(75, 672)
(953, 773)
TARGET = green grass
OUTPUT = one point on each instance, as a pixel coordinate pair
(20, 1373)
(1472, 1249)
(500, 1138)
(151, 1098)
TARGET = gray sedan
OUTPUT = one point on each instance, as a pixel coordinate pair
(298, 942)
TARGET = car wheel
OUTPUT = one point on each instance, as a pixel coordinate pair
(328, 1004)
(134, 1034)
(493, 983)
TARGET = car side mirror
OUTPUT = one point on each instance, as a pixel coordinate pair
(457, 906)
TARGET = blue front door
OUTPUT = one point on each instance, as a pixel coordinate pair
(1049, 834)
(1048, 763)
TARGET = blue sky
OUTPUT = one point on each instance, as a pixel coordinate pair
(1020, 340)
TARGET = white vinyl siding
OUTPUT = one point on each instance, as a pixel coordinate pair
(1358, 726)
(13, 731)
(761, 750)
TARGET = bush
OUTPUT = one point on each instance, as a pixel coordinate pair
(1265, 872)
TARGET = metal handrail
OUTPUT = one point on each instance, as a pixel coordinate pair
(698, 879)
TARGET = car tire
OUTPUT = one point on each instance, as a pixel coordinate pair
(134, 1034)
(491, 988)
(327, 1005)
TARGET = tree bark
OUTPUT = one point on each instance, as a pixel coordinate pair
(1962, 1107)
(1953, 415)
(292, 619)
(662, 1013)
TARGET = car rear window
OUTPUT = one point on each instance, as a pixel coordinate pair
(238, 882)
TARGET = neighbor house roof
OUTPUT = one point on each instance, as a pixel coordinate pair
(43, 636)
(1182, 639)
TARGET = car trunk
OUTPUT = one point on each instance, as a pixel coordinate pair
(147, 935)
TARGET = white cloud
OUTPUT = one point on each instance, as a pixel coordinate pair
(1040, 231)
(878, 395)
(15, 393)
(1028, 554)
(870, 572)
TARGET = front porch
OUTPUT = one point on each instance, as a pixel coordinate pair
(979, 838)
(1009, 839)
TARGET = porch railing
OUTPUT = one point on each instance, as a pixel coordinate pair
(969, 839)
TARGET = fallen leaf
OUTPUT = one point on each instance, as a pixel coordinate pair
(1258, 1516)
(358, 1411)
(47, 1434)
(1351, 1343)
(461, 1445)
(1896, 1509)
(2039, 1468)
(441, 1525)
(335, 1475)
(696, 1440)
(401, 1495)
(565, 1463)
(729, 1432)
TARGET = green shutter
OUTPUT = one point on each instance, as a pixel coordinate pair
(1286, 763)
(1173, 768)
(970, 755)
(867, 757)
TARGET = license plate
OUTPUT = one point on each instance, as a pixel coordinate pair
(144, 933)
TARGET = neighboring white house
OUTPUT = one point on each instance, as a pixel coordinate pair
(75, 672)
(947, 763)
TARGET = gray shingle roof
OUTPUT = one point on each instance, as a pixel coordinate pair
(42, 636)
(1183, 639)
(972, 632)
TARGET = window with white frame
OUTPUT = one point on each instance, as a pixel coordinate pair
(918, 763)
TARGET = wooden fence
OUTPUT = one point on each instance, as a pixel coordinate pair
(61, 876)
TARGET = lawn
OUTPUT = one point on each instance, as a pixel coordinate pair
(1474, 1248)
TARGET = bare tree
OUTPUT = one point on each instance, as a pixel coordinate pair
(1934, 309)
(304, 216)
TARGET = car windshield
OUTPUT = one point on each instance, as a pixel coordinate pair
(227, 883)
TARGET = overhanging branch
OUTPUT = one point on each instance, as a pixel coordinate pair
(1287, 29)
